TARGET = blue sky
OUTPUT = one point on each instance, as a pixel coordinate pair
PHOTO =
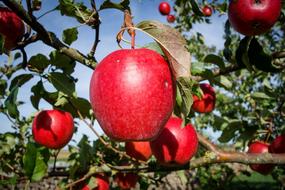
(111, 23)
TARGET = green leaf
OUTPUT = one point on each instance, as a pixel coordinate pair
(229, 132)
(82, 105)
(11, 103)
(197, 68)
(35, 161)
(3, 86)
(92, 184)
(20, 80)
(38, 63)
(155, 47)
(223, 81)
(260, 95)
(172, 44)
(185, 86)
(123, 5)
(62, 83)
(70, 35)
(37, 91)
(215, 59)
(62, 62)
(196, 8)
(2, 41)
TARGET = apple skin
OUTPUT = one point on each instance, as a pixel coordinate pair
(126, 180)
(102, 182)
(164, 8)
(12, 28)
(207, 103)
(132, 94)
(207, 11)
(170, 18)
(278, 145)
(260, 147)
(252, 17)
(139, 150)
(175, 145)
(53, 128)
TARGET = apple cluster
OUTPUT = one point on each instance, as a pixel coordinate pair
(165, 9)
(277, 146)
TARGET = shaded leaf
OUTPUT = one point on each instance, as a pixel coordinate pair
(62, 83)
(223, 81)
(20, 80)
(70, 35)
(3, 86)
(38, 63)
(173, 45)
(155, 47)
(37, 91)
(123, 5)
(2, 41)
(62, 62)
(215, 59)
(185, 86)
(11, 103)
(196, 9)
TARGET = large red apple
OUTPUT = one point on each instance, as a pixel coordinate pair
(164, 8)
(126, 180)
(260, 147)
(278, 145)
(12, 28)
(53, 128)
(207, 102)
(139, 150)
(132, 94)
(253, 17)
(176, 145)
(101, 181)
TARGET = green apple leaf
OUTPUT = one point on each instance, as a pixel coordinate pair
(215, 59)
(11, 103)
(70, 35)
(38, 63)
(62, 83)
(35, 161)
(3, 86)
(20, 80)
(172, 44)
(260, 95)
(62, 62)
(2, 41)
(37, 91)
(185, 89)
(123, 5)
(223, 81)
(196, 8)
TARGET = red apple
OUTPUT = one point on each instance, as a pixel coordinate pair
(278, 145)
(126, 180)
(207, 102)
(139, 150)
(164, 8)
(260, 147)
(12, 28)
(101, 181)
(53, 128)
(207, 11)
(253, 17)
(176, 145)
(132, 94)
(170, 18)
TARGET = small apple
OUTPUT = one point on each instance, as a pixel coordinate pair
(253, 17)
(176, 145)
(207, 11)
(126, 180)
(278, 145)
(170, 18)
(260, 147)
(101, 181)
(207, 102)
(139, 150)
(53, 128)
(132, 94)
(164, 8)
(12, 28)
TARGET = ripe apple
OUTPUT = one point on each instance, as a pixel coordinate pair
(164, 8)
(170, 18)
(12, 28)
(176, 145)
(260, 147)
(53, 128)
(101, 181)
(132, 94)
(207, 11)
(278, 145)
(207, 102)
(253, 17)
(139, 150)
(126, 180)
